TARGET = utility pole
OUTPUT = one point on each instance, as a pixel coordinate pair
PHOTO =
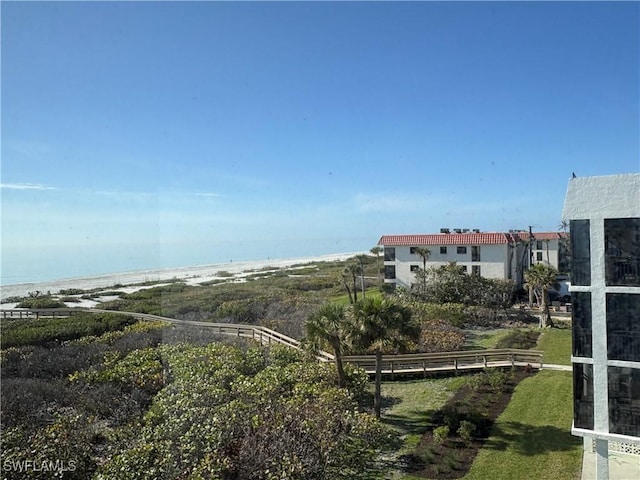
(530, 247)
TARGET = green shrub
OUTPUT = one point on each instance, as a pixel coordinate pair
(42, 331)
(466, 430)
(497, 379)
(46, 301)
(440, 434)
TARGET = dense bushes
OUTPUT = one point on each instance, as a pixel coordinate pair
(451, 284)
(182, 411)
(40, 301)
(42, 331)
(232, 415)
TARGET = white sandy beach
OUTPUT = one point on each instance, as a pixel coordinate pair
(192, 275)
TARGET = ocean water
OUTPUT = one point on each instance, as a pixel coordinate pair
(192, 274)
(20, 265)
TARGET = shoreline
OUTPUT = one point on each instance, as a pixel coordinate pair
(192, 275)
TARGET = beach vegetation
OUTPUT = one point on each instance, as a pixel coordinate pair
(43, 331)
(184, 410)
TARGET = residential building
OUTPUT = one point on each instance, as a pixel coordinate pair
(604, 218)
(489, 254)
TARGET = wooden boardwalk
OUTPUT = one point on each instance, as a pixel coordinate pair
(406, 364)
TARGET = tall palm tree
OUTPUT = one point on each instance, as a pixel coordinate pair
(540, 278)
(327, 326)
(362, 259)
(377, 250)
(351, 272)
(424, 253)
(564, 225)
(378, 323)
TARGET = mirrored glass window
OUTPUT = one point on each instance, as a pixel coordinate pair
(624, 401)
(622, 251)
(580, 252)
(581, 320)
(583, 396)
(623, 326)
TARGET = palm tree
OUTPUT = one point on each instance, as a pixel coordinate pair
(540, 278)
(379, 323)
(564, 225)
(377, 250)
(327, 326)
(424, 253)
(351, 272)
(361, 259)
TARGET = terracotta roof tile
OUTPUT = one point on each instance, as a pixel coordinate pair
(484, 238)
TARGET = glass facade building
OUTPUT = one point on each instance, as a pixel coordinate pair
(604, 219)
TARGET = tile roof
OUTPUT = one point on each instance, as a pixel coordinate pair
(484, 238)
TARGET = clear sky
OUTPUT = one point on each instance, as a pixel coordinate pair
(141, 135)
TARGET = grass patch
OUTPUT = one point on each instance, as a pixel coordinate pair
(476, 340)
(522, 339)
(532, 438)
(408, 407)
(556, 345)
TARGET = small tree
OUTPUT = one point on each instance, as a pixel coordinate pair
(377, 250)
(540, 278)
(349, 280)
(326, 326)
(424, 253)
(379, 323)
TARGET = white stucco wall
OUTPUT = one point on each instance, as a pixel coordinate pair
(613, 196)
(494, 261)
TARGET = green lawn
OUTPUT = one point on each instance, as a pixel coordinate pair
(408, 405)
(556, 345)
(485, 339)
(532, 438)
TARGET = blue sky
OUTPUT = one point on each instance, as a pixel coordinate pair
(139, 135)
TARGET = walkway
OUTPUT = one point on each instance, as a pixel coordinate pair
(407, 364)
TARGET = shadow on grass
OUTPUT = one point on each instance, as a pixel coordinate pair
(415, 421)
(530, 440)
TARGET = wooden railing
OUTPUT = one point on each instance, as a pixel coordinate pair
(448, 361)
(414, 363)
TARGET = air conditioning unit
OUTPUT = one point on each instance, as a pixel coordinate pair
(476, 230)
(457, 230)
(444, 230)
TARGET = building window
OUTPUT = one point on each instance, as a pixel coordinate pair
(464, 268)
(475, 269)
(475, 254)
(389, 272)
(443, 250)
(389, 254)
(461, 250)
(583, 396)
(581, 321)
(580, 252)
(622, 251)
(412, 250)
(539, 256)
(538, 244)
(414, 268)
(623, 327)
(624, 401)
